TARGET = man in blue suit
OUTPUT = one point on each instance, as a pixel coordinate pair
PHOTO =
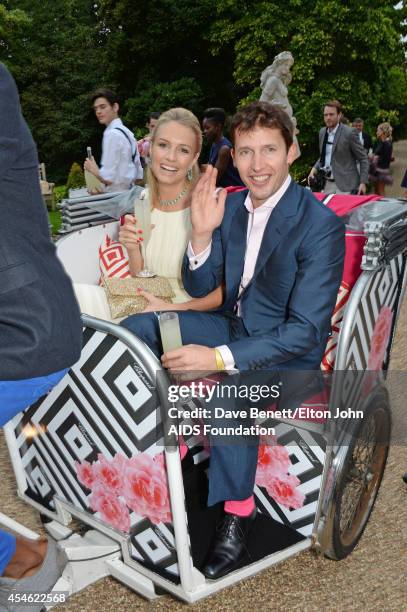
(40, 324)
(279, 254)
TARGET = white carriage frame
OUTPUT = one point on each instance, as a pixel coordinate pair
(103, 541)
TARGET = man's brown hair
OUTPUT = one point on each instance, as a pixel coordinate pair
(335, 104)
(108, 94)
(262, 114)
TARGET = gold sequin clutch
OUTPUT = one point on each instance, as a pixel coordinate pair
(121, 293)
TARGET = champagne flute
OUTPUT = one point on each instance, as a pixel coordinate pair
(170, 331)
(142, 213)
(92, 183)
(171, 339)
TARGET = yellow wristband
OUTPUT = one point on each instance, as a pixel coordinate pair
(220, 364)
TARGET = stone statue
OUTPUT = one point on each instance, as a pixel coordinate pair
(274, 83)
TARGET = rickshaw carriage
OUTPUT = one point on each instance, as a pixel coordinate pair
(94, 449)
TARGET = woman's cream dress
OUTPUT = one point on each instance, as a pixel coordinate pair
(165, 250)
(164, 254)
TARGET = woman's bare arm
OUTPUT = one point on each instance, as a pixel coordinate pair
(214, 299)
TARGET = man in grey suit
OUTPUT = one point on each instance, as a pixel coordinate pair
(363, 136)
(343, 157)
(40, 325)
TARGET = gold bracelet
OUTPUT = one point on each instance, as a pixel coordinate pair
(220, 364)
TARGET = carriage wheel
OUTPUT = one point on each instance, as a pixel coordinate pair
(361, 477)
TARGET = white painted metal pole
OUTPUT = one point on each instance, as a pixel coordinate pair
(9, 523)
(190, 579)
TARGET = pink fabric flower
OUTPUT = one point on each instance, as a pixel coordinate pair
(111, 508)
(159, 460)
(273, 460)
(85, 473)
(283, 489)
(272, 473)
(145, 487)
(109, 473)
(380, 339)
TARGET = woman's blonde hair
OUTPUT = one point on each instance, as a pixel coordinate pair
(183, 117)
(386, 129)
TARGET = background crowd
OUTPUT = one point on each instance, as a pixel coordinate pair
(349, 162)
(157, 55)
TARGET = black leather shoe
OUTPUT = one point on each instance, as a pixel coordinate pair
(229, 546)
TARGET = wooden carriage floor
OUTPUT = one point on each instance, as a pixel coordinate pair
(373, 577)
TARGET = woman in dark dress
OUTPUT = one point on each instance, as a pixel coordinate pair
(382, 155)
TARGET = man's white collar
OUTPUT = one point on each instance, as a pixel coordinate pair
(272, 200)
(333, 130)
(115, 123)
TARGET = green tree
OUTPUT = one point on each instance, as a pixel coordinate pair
(158, 51)
(76, 177)
(184, 92)
(349, 51)
(14, 24)
(57, 65)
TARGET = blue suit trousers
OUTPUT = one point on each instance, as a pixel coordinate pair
(233, 459)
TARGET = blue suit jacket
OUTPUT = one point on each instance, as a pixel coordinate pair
(287, 306)
(40, 324)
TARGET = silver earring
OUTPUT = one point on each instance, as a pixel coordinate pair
(189, 174)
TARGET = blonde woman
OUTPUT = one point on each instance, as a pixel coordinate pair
(381, 158)
(175, 147)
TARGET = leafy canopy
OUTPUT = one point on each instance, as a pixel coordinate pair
(162, 53)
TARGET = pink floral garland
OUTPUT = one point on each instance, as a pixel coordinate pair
(120, 484)
(380, 339)
(272, 474)
(139, 484)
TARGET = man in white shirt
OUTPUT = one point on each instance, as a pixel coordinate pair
(120, 164)
(343, 158)
(278, 253)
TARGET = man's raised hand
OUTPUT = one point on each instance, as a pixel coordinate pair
(207, 209)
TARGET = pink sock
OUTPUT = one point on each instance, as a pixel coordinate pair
(240, 508)
(183, 449)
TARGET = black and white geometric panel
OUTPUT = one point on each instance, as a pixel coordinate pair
(97, 429)
(156, 548)
(102, 417)
(382, 290)
(306, 449)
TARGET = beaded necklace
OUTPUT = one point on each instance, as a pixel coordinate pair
(175, 200)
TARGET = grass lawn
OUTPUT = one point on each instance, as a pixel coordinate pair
(55, 220)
